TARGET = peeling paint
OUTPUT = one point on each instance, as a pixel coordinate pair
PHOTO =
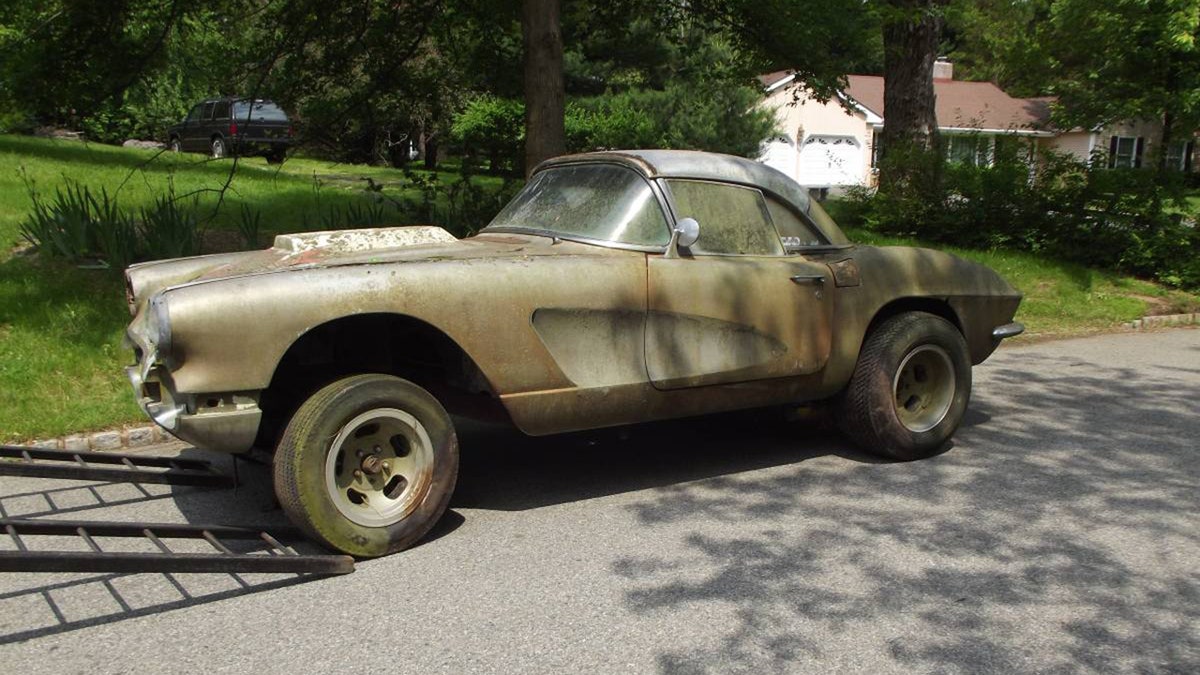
(370, 239)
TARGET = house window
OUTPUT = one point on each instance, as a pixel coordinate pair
(969, 149)
(1125, 152)
(1178, 154)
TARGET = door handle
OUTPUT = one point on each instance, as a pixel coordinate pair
(814, 279)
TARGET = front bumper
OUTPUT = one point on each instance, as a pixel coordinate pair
(221, 422)
(1008, 330)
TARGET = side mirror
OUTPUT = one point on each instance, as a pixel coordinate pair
(687, 232)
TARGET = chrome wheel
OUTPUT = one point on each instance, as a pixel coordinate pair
(924, 388)
(379, 467)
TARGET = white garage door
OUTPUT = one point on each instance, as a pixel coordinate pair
(830, 160)
(780, 153)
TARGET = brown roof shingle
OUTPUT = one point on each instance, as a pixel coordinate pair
(972, 105)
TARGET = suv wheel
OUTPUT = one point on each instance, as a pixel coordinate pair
(175, 145)
(218, 148)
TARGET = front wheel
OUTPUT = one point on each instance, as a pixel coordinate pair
(367, 465)
(910, 387)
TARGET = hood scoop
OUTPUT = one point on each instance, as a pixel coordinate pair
(353, 241)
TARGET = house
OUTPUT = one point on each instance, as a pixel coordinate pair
(1130, 144)
(833, 144)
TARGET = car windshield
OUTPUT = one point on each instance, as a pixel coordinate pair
(263, 110)
(591, 201)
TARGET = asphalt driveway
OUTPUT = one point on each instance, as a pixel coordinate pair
(1061, 532)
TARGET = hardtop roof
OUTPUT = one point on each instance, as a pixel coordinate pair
(698, 165)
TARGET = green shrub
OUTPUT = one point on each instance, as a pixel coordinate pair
(461, 207)
(1122, 219)
(80, 225)
(116, 234)
(62, 227)
(169, 230)
(494, 128)
(682, 116)
(248, 225)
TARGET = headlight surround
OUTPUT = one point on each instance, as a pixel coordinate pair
(158, 324)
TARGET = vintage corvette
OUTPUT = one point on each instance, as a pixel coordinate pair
(616, 288)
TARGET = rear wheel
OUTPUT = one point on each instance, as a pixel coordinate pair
(367, 464)
(910, 387)
(218, 148)
(175, 145)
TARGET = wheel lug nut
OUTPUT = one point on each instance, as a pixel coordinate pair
(358, 473)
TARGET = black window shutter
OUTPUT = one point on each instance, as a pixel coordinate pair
(1112, 151)
(1137, 153)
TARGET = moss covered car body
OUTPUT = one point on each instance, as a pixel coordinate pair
(618, 287)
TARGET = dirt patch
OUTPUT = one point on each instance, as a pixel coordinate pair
(1164, 306)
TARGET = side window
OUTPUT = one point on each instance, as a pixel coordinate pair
(794, 231)
(194, 115)
(207, 114)
(733, 219)
(221, 110)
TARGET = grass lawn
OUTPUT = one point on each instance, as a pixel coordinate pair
(284, 194)
(61, 359)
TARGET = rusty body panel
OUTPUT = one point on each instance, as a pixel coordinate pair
(565, 332)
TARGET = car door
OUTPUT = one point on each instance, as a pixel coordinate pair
(187, 130)
(200, 131)
(734, 307)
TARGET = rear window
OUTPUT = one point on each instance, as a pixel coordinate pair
(795, 233)
(265, 111)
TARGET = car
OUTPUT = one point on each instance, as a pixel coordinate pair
(615, 288)
(228, 126)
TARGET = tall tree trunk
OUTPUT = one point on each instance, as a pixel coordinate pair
(1171, 86)
(545, 135)
(431, 151)
(1164, 143)
(911, 30)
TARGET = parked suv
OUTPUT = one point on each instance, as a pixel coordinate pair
(233, 126)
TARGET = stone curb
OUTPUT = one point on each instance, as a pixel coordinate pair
(130, 437)
(1164, 321)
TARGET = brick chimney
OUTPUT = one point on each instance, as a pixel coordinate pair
(943, 69)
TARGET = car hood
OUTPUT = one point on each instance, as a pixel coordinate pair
(336, 248)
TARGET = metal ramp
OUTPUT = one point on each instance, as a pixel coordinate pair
(39, 543)
(277, 557)
(106, 466)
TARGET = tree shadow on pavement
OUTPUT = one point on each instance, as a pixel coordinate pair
(1060, 534)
